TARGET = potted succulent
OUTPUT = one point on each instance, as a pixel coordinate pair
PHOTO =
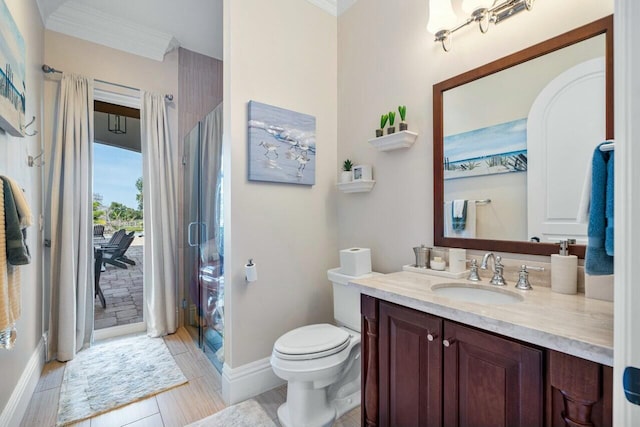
(392, 118)
(403, 114)
(383, 122)
(346, 175)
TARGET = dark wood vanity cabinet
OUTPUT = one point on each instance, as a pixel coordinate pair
(421, 370)
(410, 354)
(489, 380)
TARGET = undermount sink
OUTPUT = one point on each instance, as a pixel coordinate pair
(474, 293)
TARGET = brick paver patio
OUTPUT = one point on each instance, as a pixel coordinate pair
(122, 290)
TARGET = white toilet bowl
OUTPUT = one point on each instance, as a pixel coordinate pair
(323, 378)
(321, 363)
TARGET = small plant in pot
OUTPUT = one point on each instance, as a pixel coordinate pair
(392, 118)
(383, 122)
(403, 114)
(346, 175)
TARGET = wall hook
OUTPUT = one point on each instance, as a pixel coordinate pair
(33, 161)
(24, 128)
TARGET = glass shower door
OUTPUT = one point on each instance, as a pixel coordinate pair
(204, 281)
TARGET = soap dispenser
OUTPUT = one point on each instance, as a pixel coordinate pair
(564, 270)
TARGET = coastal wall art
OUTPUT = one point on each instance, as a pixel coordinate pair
(282, 145)
(12, 74)
(495, 149)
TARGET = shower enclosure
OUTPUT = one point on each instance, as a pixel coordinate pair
(203, 231)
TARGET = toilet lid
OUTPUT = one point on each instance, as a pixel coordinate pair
(313, 341)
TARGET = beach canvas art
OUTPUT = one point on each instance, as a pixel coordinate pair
(495, 149)
(282, 145)
(12, 74)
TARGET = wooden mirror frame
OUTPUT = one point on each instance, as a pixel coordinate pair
(601, 26)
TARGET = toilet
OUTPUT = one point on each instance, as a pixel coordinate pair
(321, 363)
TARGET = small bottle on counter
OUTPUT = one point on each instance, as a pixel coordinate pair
(564, 270)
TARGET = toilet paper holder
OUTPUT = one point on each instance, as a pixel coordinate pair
(250, 271)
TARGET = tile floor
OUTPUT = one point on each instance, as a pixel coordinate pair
(182, 405)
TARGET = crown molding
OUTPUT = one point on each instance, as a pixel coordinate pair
(77, 20)
(333, 7)
(344, 5)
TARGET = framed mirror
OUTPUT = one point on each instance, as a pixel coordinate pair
(513, 141)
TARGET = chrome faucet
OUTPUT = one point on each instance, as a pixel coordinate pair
(498, 268)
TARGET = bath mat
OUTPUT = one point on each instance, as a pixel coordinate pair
(114, 374)
(246, 414)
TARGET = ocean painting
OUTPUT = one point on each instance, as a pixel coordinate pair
(12, 74)
(282, 145)
(495, 149)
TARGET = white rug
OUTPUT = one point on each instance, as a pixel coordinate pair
(246, 414)
(114, 374)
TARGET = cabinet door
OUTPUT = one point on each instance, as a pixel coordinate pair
(410, 351)
(490, 381)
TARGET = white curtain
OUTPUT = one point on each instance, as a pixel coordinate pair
(211, 163)
(160, 226)
(71, 322)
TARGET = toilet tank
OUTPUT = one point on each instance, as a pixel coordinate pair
(346, 299)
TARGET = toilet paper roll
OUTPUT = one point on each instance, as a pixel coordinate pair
(564, 274)
(457, 260)
(251, 272)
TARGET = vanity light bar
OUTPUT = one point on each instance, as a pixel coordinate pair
(500, 11)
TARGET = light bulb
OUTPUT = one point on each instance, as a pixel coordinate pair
(441, 16)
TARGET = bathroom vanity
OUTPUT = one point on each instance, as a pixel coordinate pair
(541, 359)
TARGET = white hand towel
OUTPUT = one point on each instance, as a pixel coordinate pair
(24, 211)
(458, 208)
(469, 231)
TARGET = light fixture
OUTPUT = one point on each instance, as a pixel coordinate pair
(117, 124)
(484, 12)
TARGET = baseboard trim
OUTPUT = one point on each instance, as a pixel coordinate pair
(19, 401)
(116, 331)
(248, 380)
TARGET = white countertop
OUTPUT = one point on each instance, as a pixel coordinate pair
(570, 324)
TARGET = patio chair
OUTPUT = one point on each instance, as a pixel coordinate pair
(98, 231)
(116, 255)
(115, 239)
(97, 254)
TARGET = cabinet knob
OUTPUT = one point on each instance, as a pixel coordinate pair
(431, 337)
(447, 343)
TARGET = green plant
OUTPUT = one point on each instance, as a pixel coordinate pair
(347, 165)
(383, 120)
(392, 118)
(403, 112)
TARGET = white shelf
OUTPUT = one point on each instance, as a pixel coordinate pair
(403, 139)
(359, 186)
(439, 273)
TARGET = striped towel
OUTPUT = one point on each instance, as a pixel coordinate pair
(9, 289)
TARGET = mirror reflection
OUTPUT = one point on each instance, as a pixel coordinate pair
(517, 145)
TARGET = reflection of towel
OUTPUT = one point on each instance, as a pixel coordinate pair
(24, 212)
(17, 251)
(9, 289)
(599, 259)
(469, 231)
(459, 214)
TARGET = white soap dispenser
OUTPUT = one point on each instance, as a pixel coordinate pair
(564, 270)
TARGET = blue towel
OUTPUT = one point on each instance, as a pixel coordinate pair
(458, 223)
(598, 259)
(608, 241)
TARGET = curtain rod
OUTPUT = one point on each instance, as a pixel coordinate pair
(48, 70)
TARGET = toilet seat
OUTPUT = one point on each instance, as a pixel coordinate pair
(311, 342)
